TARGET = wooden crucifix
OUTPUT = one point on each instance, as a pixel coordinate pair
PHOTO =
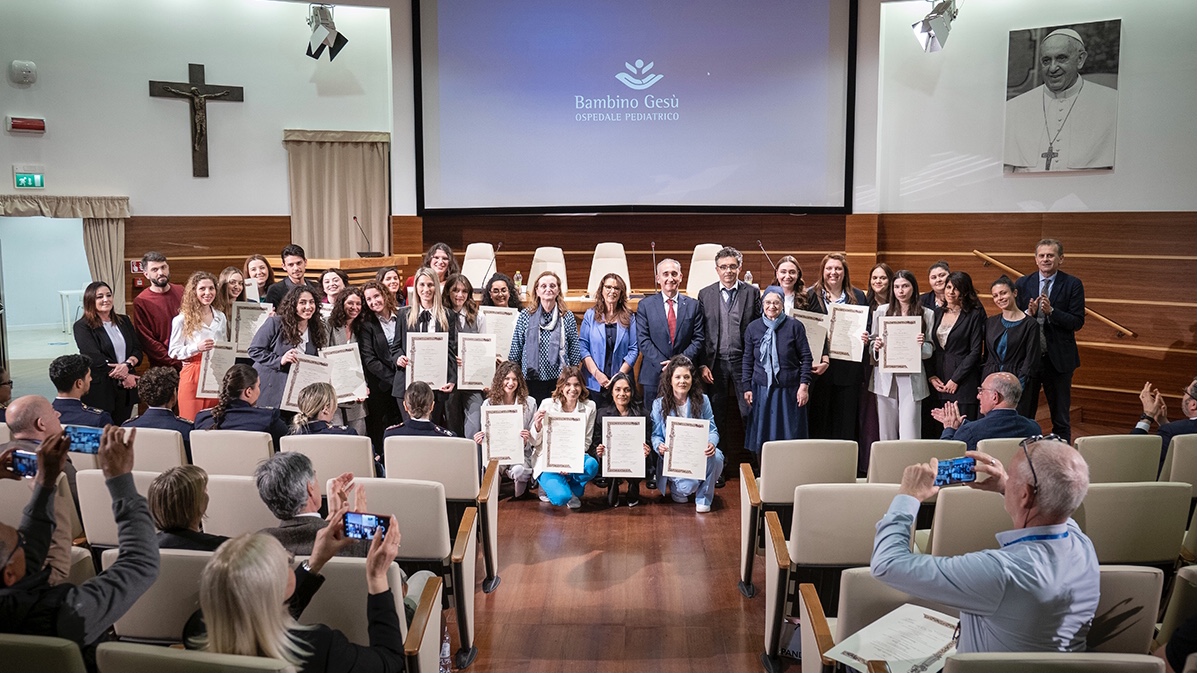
(197, 93)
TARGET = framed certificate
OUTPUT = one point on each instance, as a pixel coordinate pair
(428, 358)
(501, 426)
(477, 369)
(305, 371)
(214, 364)
(686, 440)
(248, 318)
(623, 447)
(902, 353)
(565, 442)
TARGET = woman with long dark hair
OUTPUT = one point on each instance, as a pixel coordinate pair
(835, 395)
(193, 332)
(680, 394)
(464, 406)
(237, 408)
(379, 324)
(622, 405)
(259, 272)
(955, 370)
(332, 283)
(569, 396)
(501, 291)
(508, 388)
(109, 340)
(297, 329)
(1011, 341)
(230, 287)
(389, 277)
(344, 326)
(900, 396)
(789, 279)
(440, 259)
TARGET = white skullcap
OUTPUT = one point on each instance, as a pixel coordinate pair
(1067, 32)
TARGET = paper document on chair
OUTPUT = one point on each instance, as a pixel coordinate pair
(910, 639)
(565, 442)
(345, 372)
(501, 323)
(428, 358)
(848, 322)
(501, 427)
(305, 371)
(213, 366)
(902, 353)
(477, 367)
(623, 447)
(686, 440)
(816, 330)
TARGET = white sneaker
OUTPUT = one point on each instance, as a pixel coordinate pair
(701, 508)
(575, 503)
(544, 498)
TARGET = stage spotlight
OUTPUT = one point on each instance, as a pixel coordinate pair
(932, 31)
(324, 32)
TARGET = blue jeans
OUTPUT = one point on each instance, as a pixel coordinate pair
(561, 487)
(703, 491)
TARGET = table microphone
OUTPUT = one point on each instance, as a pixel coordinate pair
(655, 285)
(368, 253)
(493, 259)
(767, 258)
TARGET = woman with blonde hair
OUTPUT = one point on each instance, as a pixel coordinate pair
(545, 340)
(317, 404)
(194, 332)
(425, 314)
(178, 500)
(230, 287)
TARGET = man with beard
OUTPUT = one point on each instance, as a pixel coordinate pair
(154, 308)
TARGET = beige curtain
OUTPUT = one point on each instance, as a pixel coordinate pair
(104, 243)
(37, 205)
(335, 176)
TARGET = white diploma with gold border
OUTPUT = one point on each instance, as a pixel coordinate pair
(902, 353)
(565, 442)
(686, 439)
(428, 358)
(477, 369)
(501, 323)
(816, 331)
(623, 447)
(247, 319)
(501, 426)
(214, 364)
(910, 638)
(305, 371)
(345, 372)
(848, 322)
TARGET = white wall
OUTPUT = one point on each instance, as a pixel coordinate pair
(939, 134)
(41, 256)
(106, 136)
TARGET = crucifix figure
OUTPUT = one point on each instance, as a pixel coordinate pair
(197, 93)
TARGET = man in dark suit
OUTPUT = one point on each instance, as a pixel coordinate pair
(728, 308)
(999, 394)
(71, 375)
(667, 324)
(1056, 301)
(158, 389)
(295, 262)
(1155, 410)
(287, 484)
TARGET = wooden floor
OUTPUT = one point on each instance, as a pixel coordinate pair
(652, 588)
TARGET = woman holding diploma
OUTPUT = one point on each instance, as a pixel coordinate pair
(230, 287)
(680, 395)
(608, 339)
(509, 389)
(193, 332)
(776, 375)
(427, 314)
(297, 329)
(955, 371)
(377, 333)
(237, 408)
(900, 396)
(569, 396)
(1011, 341)
(317, 404)
(545, 340)
(344, 324)
(501, 291)
(835, 394)
(464, 405)
(258, 272)
(621, 405)
(789, 279)
(109, 340)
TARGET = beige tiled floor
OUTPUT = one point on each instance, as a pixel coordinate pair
(29, 354)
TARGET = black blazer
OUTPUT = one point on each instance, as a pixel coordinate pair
(399, 348)
(377, 362)
(747, 300)
(332, 652)
(959, 359)
(839, 372)
(1022, 348)
(181, 538)
(94, 342)
(1067, 295)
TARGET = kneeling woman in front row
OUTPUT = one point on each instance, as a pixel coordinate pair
(236, 410)
(621, 405)
(562, 488)
(680, 395)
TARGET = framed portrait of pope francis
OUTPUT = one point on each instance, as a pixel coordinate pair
(1062, 98)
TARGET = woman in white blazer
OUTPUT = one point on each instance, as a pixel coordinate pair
(900, 396)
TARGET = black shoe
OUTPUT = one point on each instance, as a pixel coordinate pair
(720, 482)
(633, 497)
(602, 482)
(651, 484)
(613, 494)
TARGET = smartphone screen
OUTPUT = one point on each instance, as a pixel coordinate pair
(361, 526)
(956, 471)
(84, 439)
(24, 463)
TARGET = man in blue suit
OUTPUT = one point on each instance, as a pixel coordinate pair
(667, 324)
(1155, 410)
(158, 389)
(71, 375)
(1056, 301)
(999, 394)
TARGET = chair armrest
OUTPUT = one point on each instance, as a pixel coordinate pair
(488, 479)
(780, 550)
(464, 531)
(749, 481)
(1187, 556)
(818, 621)
(419, 621)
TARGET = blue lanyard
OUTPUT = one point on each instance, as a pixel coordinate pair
(1036, 538)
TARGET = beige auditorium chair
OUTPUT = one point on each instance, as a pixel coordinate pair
(341, 604)
(15, 494)
(1180, 464)
(453, 461)
(608, 258)
(1127, 609)
(1052, 662)
(333, 455)
(230, 451)
(157, 450)
(95, 504)
(1002, 448)
(785, 465)
(1138, 523)
(702, 271)
(235, 508)
(39, 654)
(1118, 458)
(84, 461)
(479, 264)
(160, 614)
(133, 658)
(966, 520)
(1181, 605)
(888, 459)
(5, 435)
(547, 258)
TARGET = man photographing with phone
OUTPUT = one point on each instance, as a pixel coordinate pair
(1038, 592)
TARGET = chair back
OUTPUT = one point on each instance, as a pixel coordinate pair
(15, 494)
(834, 524)
(1127, 610)
(547, 258)
(158, 450)
(85, 461)
(1002, 448)
(160, 614)
(341, 602)
(702, 271)
(788, 464)
(230, 451)
(1181, 605)
(1139, 522)
(95, 504)
(451, 461)
(1181, 462)
(1117, 458)
(235, 507)
(5, 434)
(39, 654)
(966, 520)
(478, 264)
(1052, 662)
(132, 658)
(332, 455)
(608, 258)
(864, 599)
(421, 510)
(888, 459)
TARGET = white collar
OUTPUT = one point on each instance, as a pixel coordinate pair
(1067, 93)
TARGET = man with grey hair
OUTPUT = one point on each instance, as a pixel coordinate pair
(287, 484)
(999, 394)
(1068, 123)
(1039, 590)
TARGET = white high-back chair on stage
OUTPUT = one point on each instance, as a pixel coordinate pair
(608, 258)
(230, 451)
(332, 455)
(479, 263)
(547, 258)
(234, 506)
(702, 271)
(158, 450)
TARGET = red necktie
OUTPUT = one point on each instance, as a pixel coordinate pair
(671, 318)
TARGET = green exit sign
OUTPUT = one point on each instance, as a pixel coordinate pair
(28, 177)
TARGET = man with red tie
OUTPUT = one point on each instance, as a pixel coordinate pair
(667, 324)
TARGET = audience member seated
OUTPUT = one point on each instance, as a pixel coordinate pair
(31, 421)
(562, 488)
(71, 376)
(1039, 591)
(158, 389)
(1156, 411)
(178, 500)
(999, 394)
(239, 392)
(287, 484)
(680, 394)
(418, 402)
(317, 406)
(1178, 648)
(29, 604)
